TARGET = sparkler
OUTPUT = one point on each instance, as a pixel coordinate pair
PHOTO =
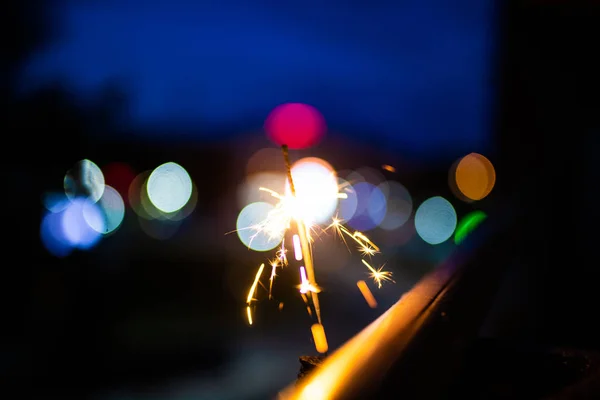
(302, 234)
(288, 214)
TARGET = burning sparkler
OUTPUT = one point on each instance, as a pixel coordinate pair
(290, 213)
(301, 126)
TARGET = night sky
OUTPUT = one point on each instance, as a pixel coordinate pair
(415, 75)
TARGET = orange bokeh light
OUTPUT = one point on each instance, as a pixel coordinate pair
(475, 176)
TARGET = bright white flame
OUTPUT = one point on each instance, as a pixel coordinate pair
(316, 188)
(303, 281)
(297, 248)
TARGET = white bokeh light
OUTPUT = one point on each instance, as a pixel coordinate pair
(85, 180)
(112, 208)
(169, 187)
(248, 219)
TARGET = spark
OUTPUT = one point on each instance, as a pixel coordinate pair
(281, 254)
(252, 291)
(365, 245)
(249, 313)
(305, 285)
(274, 265)
(378, 275)
(254, 284)
(305, 299)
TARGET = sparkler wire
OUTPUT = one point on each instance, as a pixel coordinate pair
(304, 244)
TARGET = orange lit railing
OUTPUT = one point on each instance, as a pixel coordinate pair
(422, 333)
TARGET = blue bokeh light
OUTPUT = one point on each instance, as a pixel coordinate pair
(371, 207)
(435, 220)
(76, 229)
(52, 235)
(250, 216)
(347, 207)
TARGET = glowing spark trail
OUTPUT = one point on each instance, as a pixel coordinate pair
(378, 275)
(365, 245)
(281, 254)
(249, 313)
(274, 266)
(254, 284)
(252, 291)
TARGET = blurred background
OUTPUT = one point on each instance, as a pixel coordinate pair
(134, 139)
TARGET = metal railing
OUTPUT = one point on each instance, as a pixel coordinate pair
(415, 347)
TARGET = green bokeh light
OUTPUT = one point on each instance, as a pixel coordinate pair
(468, 224)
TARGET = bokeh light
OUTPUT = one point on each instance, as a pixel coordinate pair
(377, 207)
(435, 220)
(468, 224)
(169, 187)
(112, 209)
(137, 189)
(76, 228)
(149, 210)
(187, 209)
(251, 216)
(399, 206)
(316, 186)
(371, 207)
(55, 201)
(347, 207)
(53, 236)
(86, 180)
(475, 176)
(145, 209)
(296, 125)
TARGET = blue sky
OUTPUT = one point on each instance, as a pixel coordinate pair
(412, 73)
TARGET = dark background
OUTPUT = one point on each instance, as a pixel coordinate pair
(411, 84)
